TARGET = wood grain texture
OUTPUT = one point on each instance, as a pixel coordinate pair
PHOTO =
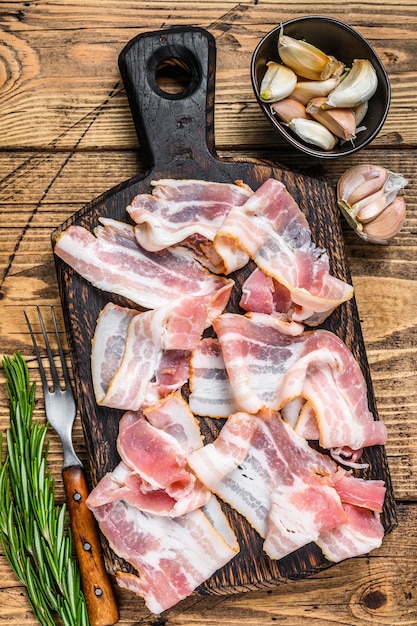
(67, 135)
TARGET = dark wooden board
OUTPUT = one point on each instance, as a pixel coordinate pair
(176, 136)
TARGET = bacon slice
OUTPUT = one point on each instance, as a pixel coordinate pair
(283, 487)
(148, 355)
(153, 474)
(113, 261)
(361, 533)
(368, 494)
(272, 230)
(176, 545)
(210, 391)
(267, 368)
(178, 209)
(264, 294)
(172, 555)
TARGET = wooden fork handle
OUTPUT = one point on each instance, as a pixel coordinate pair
(98, 591)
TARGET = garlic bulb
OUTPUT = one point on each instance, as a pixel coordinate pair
(306, 60)
(368, 196)
(277, 83)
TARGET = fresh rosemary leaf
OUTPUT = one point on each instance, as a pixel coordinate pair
(34, 534)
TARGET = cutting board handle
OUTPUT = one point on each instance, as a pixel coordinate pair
(172, 126)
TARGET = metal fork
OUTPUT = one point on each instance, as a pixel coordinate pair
(60, 409)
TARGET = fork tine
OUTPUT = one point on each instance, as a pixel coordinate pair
(52, 367)
(60, 350)
(38, 355)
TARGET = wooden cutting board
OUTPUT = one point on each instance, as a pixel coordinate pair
(176, 135)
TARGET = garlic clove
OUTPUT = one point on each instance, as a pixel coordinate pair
(359, 182)
(277, 83)
(387, 224)
(360, 111)
(287, 109)
(313, 132)
(368, 208)
(358, 86)
(306, 60)
(340, 122)
(306, 90)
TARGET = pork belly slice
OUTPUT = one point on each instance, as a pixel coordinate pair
(178, 209)
(137, 358)
(153, 474)
(272, 230)
(264, 294)
(282, 486)
(361, 533)
(171, 555)
(210, 390)
(267, 368)
(114, 262)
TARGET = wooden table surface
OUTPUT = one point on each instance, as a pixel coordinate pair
(66, 136)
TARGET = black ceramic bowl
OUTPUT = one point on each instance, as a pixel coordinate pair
(343, 42)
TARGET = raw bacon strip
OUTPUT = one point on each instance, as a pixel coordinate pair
(156, 350)
(369, 494)
(280, 477)
(153, 474)
(178, 209)
(156, 456)
(256, 356)
(217, 459)
(210, 391)
(114, 262)
(272, 230)
(268, 369)
(361, 533)
(299, 513)
(124, 484)
(264, 294)
(136, 378)
(172, 555)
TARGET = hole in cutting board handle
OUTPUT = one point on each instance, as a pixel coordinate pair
(173, 74)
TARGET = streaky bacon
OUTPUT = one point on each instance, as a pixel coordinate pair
(267, 368)
(369, 494)
(210, 391)
(171, 555)
(361, 533)
(272, 230)
(114, 262)
(153, 474)
(148, 356)
(178, 209)
(264, 294)
(280, 477)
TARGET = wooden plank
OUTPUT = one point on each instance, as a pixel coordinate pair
(71, 95)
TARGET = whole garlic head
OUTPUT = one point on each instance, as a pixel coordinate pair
(371, 199)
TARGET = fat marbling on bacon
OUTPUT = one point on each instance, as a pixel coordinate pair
(267, 368)
(287, 490)
(180, 542)
(178, 209)
(113, 261)
(138, 358)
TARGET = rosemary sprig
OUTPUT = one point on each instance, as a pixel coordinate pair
(33, 532)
